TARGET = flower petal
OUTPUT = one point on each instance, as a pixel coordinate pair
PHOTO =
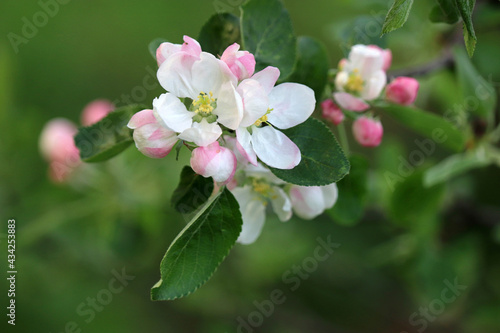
(191, 46)
(330, 195)
(274, 148)
(267, 77)
(173, 112)
(349, 102)
(209, 74)
(229, 108)
(175, 75)
(202, 134)
(255, 101)
(291, 104)
(253, 213)
(244, 145)
(373, 86)
(214, 161)
(282, 205)
(141, 118)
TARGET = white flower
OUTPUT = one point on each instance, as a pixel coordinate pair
(267, 109)
(260, 188)
(362, 77)
(310, 201)
(186, 71)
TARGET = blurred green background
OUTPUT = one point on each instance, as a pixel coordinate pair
(70, 238)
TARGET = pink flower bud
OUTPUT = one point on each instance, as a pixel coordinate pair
(151, 138)
(386, 54)
(95, 111)
(342, 63)
(402, 90)
(332, 112)
(214, 161)
(58, 148)
(241, 63)
(367, 131)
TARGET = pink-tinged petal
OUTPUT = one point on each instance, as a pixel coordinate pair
(342, 63)
(367, 131)
(142, 118)
(214, 161)
(386, 55)
(255, 101)
(291, 104)
(154, 140)
(191, 46)
(349, 102)
(173, 112)
(267, 78)
(175, 75)
(253, 213)
(95, 111)
(202, 134)
(57, 141)
(241, 63)
(229, 108)
(281, 203)
(332, 112)
(274, 148)
(165, 50)
(365, 60)
(402, 90)
(244, 145)
(374, 86)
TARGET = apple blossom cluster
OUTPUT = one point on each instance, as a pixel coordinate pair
(231, 119)
(57, 145)
(361, 79)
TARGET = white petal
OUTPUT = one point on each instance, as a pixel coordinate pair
(274, 148)
(292, 104)
(255, 101)
(373, 87)
(260, 171)
(175, 75)
(330, 195)
(202, 134)
(208, 74)
(253, 213)
(307, 202)
(341, 80)
(267, 77)
(172, 112)
(244, 145)
(229, 106)
(282, 205)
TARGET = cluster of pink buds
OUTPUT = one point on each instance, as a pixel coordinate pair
(361, 79)
(57, 144)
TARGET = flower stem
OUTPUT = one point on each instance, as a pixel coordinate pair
(343, 138)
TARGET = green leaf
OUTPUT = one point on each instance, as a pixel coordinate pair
(219, 32)
(427, 124)
(108, 137)
(192, 192)
(200, 247)
(323, 161)
(478, 94)
(466, 8)
(267, 33)
(349, 208)
(397, 15)
(154, 44)
(312, 65)
(445, 11)
(454, 166)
